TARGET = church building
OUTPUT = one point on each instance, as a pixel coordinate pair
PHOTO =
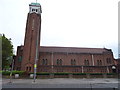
(32, 56)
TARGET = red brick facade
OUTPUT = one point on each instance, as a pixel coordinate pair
(99, 62)
(59, 59)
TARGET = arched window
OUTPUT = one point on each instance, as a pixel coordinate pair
(100, 62)
(26, 68)
(108, 60)
(59, 61)
(86, 62)
(73, 62)
(36, 10)
(29, 68)
(44, 61)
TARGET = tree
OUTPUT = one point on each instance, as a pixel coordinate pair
(7, 51)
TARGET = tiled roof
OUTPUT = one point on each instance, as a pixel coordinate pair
(74, 50)
(35, 4)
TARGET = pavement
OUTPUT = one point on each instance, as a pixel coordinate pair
(61, 83)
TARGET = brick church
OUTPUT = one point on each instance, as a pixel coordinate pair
(58, 59)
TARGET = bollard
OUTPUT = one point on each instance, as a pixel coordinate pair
(16, 75)
(31, 75)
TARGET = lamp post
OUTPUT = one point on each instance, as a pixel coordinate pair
(114, 69)
(36, 56)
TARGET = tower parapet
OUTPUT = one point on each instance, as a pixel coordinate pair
(35, 8)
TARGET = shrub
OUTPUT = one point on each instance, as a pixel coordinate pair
(111, 73)
(40, 73)
(79, 73)
(96, 73)
(61, 73)
(13, 72)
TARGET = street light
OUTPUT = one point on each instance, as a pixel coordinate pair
(36, 56)
(114, 69)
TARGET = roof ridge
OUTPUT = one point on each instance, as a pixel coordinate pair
(70, 47)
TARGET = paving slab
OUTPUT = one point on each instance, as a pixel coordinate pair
(61, 83)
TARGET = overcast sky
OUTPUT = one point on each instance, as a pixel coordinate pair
(68, 23)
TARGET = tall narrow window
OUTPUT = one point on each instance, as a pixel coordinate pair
(73, 62)
(59, 61)
(29, 68)
(108, 60)
(44, 61)
(26, 68)
(36, 10)
(100, 63)
(86, 62)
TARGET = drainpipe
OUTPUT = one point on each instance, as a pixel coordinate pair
(93, 60)
(107, 69)
(82, 69)
(52, 61)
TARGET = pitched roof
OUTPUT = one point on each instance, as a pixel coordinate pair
(74, 50)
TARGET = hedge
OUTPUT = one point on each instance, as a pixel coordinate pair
(79, 73)
(111, 73)
(47, 73)
(13, 72)
(40, 73)
(61, 73)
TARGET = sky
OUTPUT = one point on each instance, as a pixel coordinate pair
(66, 23)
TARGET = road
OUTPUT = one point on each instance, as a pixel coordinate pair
(61, 83)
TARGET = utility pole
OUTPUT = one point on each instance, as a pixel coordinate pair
(36, 56)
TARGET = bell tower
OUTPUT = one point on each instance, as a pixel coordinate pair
(32, 37)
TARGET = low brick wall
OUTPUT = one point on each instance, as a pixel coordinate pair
(43, 76)
(64, 76)
(79, 76)
(61, 76)
(96, 76)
